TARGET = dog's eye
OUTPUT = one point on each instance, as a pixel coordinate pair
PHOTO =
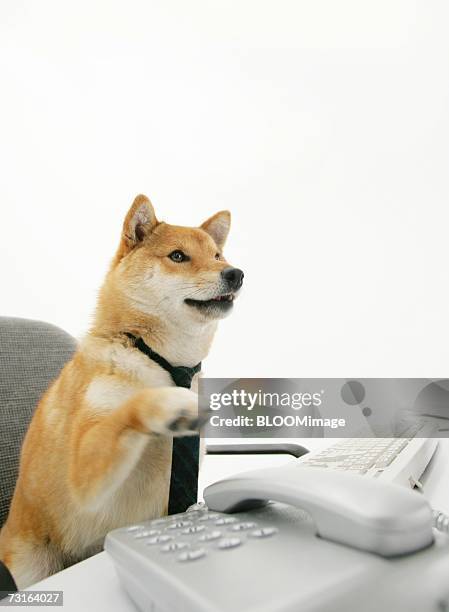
(178, 256)
(217, 255)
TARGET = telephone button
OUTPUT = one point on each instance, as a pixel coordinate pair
(192, 555)
(212, 535)
(134, 528)
(147, 533)
(208, 517)
(263, 532)
(160, 539)
(227, 520)
(193, 529)
(243, 526)
(226, 543)
(179, 524)
(174, 546)
(160, 521)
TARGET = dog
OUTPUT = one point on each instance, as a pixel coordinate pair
(97, 454)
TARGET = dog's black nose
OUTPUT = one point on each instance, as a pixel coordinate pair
(233, 277)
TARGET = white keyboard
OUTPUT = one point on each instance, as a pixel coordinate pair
(398, 460)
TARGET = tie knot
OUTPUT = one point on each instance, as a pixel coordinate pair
(182, 376)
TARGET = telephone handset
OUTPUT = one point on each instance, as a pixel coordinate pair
(377, 517)
(242, 553)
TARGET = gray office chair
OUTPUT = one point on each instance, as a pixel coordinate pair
(32, 354)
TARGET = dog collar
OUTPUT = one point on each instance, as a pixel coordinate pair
(181, 375)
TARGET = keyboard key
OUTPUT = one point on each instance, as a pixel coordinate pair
(385, 462)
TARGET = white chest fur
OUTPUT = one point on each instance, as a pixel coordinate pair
(144, 493)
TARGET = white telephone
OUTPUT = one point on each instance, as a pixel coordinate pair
(244, 552)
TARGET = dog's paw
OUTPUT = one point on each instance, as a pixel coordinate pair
(174, 413)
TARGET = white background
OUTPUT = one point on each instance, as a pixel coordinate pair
(322, 126)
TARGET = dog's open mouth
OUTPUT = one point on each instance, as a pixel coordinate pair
(223, 302)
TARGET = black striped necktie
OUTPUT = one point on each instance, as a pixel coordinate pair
(186, 450)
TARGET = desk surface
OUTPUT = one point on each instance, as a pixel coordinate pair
(92, 585)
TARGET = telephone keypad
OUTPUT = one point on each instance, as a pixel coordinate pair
(192, 535)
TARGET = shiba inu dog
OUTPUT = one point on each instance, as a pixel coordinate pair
(97, 454)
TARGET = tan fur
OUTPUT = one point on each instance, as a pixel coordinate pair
(97, 454)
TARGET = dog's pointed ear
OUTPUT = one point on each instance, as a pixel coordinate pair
(218, 226)
(139, 221)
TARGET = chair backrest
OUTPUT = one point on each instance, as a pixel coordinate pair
(32, 354)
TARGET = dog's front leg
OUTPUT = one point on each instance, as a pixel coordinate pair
(105, 448)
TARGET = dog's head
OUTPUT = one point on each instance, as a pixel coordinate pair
(178, 273)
